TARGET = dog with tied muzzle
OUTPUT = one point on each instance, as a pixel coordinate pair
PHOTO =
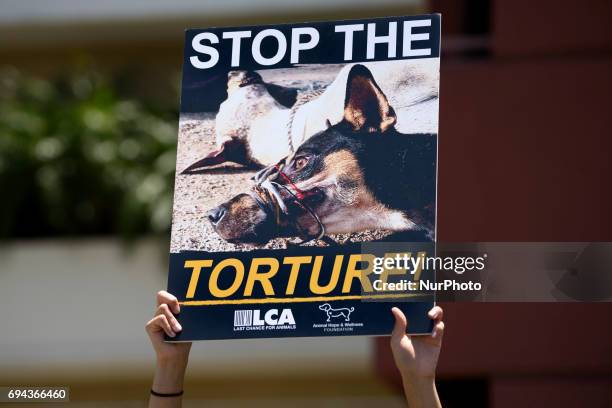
(359, 174)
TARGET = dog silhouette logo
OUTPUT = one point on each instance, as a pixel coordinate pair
(340, 312)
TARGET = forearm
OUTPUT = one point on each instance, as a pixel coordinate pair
(168, 379)
(421, 392)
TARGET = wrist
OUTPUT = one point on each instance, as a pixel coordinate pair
(169, 375)
(418, 379)
(172, 360)
(420, 391)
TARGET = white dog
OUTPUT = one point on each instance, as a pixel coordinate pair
(343, 312)
(257, 124)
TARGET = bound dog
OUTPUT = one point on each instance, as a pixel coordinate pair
(359, 174)
(260, 123)
(341, 312)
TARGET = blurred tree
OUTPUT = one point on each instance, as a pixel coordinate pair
(79, 156)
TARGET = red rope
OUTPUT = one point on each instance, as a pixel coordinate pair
(299, 193)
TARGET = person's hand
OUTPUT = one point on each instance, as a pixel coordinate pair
(165, 322)
(417, 356)
(171, 357)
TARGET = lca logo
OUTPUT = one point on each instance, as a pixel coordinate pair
(255, 318)
(344, 312)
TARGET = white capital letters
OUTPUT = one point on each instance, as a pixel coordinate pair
(256, 48)
(197, 45)
(409, 37)
(286, 317)
(257, 318)
(297, 46)
(390, 39)
(270, 317)
(236, 37)
(348, 31)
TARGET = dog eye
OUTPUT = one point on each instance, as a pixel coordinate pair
(300, 162)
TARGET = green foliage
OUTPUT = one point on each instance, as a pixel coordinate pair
(80, 157)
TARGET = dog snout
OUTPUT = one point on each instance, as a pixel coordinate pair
(216, 214)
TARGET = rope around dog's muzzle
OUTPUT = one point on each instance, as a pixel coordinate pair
(267, 193)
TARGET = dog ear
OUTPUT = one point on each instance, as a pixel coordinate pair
(365, 106)
(230, 150)
(282, 94)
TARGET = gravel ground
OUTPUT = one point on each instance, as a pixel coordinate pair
(195, 194)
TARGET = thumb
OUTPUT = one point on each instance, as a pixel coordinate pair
(401, 324)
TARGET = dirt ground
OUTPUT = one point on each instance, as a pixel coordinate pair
(195, 194)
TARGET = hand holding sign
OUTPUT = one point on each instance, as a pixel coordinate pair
(416, 357)
(171, 357)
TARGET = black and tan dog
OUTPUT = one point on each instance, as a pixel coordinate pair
(359, 174)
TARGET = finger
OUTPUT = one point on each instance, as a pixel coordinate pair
(169, 299)
(160, 323)
(401, 324)
(436, 313)
(164, 309)
(152, 328)
(438, 330)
